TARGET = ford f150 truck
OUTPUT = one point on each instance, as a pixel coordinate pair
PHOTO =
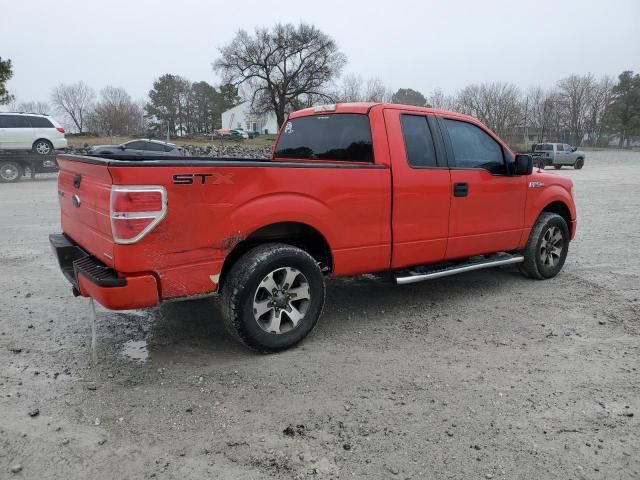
(350, 189)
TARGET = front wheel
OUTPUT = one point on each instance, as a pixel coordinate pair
(272, 297)
(547, 247)
(10, 171)
(579, 164)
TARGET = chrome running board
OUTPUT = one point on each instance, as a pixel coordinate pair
(485, 262)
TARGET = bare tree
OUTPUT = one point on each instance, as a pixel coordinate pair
(438, 99)
(351, 89)
(283, 66)
(355, 89)
(116, 113)
(498, 105)
(34, 107)
(599, 101)
(376, 91)
(542, 110)
(74, 101)
(575, 92)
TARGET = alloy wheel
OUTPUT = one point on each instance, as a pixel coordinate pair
(281, 300)
(551, 247)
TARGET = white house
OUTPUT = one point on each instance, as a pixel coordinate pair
(240, 116)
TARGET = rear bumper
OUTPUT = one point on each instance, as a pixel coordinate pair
(59, 143)
(91, 278)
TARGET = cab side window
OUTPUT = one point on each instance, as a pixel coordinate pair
(155, 147)
(559, 147)
(418, 141)
(474, 148)
(137, 145)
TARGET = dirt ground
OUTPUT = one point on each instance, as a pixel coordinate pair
(482, 375)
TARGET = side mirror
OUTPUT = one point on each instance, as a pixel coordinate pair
(523, 164)
(573, 149)
(123, 147)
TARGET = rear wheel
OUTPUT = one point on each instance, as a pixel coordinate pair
(42, 147)
(272, 297)
(547, 247)
(579, 164)
(10, 171)
(557, 167)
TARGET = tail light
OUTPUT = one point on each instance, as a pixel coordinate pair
(135, 211)
(60, 129)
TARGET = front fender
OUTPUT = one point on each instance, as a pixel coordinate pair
(538, 201)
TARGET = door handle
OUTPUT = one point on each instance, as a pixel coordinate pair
(460, 189)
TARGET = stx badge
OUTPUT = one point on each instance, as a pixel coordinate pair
(536, 184)
(202, 178)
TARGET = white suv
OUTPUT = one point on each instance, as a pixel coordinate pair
(30, 131)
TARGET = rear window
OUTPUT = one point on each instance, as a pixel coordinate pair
(40, 122)
(343, 137)
(417, 141)
(544, 147)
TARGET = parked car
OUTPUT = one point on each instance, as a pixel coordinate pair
(558, 155)
(232, 134)
(142, 147)
(351, 189)
(31, 131)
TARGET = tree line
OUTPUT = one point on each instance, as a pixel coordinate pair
(288, 67)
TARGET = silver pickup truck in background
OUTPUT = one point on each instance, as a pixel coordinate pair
(557, 155)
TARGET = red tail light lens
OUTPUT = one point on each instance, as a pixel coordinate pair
(60, 129)
(135, 211)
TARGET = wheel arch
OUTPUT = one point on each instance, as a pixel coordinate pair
(43, 139)
(560, 208)
(297, 234)
(33, 145)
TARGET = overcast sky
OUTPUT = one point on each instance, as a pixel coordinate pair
(406, 43)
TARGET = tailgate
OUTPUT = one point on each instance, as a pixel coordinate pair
(84, 191)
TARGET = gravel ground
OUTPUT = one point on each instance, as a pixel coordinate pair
(482, 375)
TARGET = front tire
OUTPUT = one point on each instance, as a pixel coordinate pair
(273, 297)
(579, 164)
(10, 172)
(42, 147)
(547, 247)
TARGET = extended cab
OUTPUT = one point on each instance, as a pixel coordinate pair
(350, 189)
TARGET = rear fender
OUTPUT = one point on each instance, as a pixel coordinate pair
(281, 207)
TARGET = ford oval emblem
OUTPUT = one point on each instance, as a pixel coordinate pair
(76, 201)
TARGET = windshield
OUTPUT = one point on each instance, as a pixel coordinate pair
(344, 137)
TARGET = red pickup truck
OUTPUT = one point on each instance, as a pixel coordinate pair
(350, 189)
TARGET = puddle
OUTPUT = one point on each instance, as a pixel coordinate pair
(136, 350)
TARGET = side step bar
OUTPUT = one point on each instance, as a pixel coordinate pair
(486, 262)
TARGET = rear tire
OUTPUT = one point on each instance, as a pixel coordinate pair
(557, 167)
(579, 164)
(547, 247)
(10, 171)
(273, 297)
(42, 147)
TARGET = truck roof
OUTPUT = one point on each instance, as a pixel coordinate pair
(365, 107)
